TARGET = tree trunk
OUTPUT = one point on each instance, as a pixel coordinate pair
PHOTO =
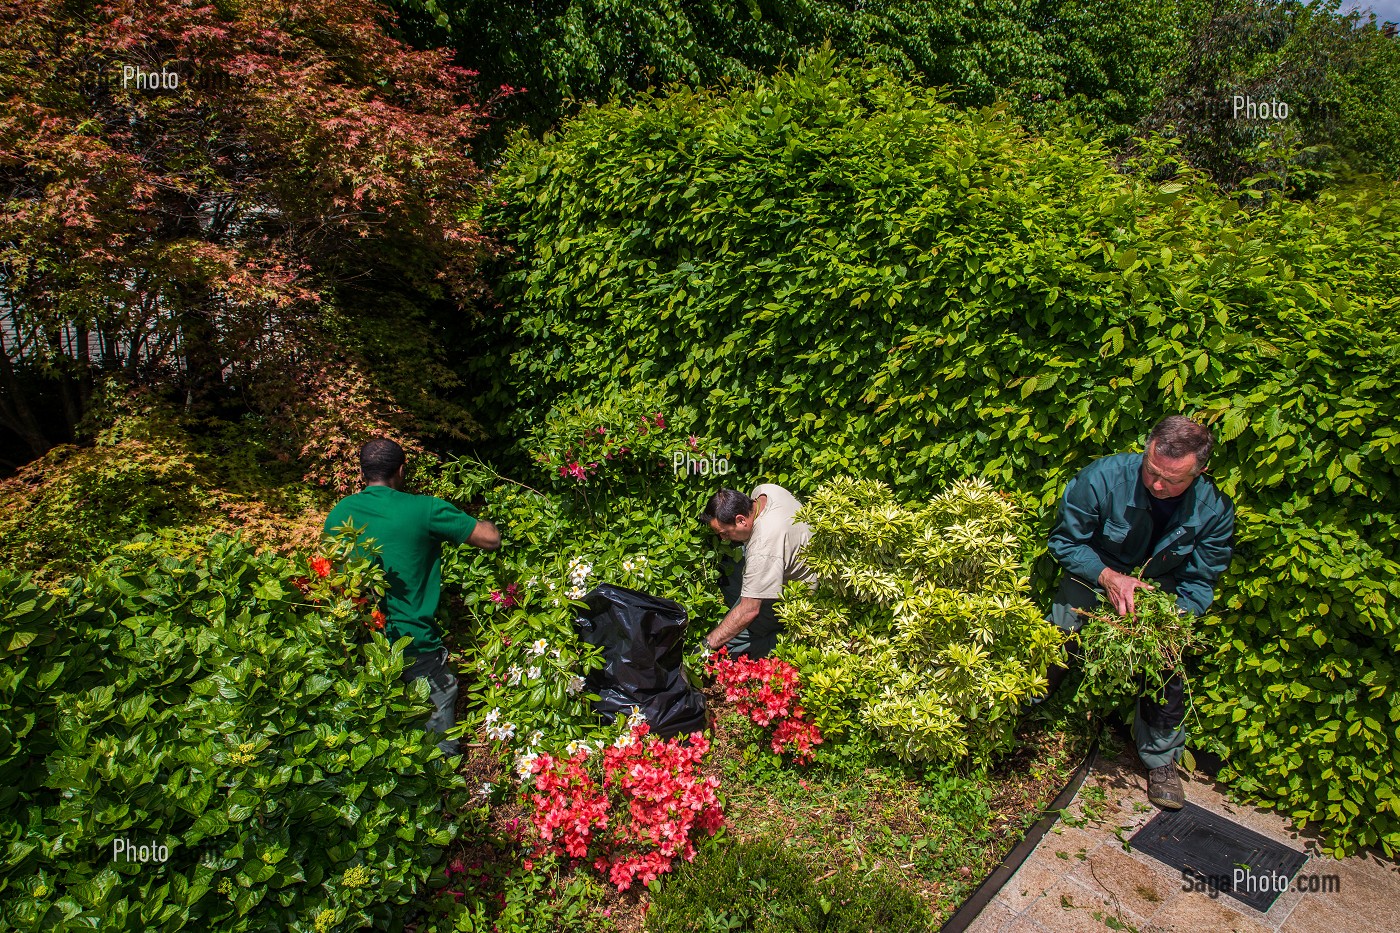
(15, 411)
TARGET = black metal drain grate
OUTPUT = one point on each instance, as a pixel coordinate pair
(1215, 854)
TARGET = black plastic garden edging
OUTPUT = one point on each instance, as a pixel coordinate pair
(962, 917)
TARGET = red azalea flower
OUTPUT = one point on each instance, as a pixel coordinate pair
(321, 566)
(378, 619)
(660, 421)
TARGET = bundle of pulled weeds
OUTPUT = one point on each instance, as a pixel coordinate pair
(1121, 654)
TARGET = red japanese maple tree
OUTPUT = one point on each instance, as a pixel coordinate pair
(188, 186)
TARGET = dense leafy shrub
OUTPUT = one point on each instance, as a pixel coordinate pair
(765, 887)
(922, 624)
(847, 275)
(188, 696)
(1335, 72)
(147, 468)
(495, 891)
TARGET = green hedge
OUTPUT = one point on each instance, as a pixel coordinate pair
(187, 698)
(840, 273)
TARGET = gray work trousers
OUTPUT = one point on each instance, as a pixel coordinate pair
(443, 687)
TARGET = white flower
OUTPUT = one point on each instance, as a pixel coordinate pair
(514, 675)
(551, 584)
(522, 764)
(629, 565)
(623, 741)
(536, 737)
(636, 718)
(575, 592)
(555, 601)
(574, 685)
(576, 746)
(492, 716)
(554, 654)
(502, 733)
(540, 647)
(485, 789)
(532, 673)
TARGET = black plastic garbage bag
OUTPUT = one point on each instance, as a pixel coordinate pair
(641, 636)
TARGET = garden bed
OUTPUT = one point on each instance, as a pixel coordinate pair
(934, 834)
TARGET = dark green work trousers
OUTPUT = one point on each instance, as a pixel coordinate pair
(761, 637)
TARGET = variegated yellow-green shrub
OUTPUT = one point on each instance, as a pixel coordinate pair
(921, 628)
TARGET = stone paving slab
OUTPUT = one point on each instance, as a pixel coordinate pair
(1083, 876)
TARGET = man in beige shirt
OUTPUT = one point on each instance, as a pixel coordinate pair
(764, 522)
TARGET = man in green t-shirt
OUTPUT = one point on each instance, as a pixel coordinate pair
(410, 531)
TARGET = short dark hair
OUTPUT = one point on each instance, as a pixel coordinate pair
(1177, 436)
(726, 505)
(380, 459)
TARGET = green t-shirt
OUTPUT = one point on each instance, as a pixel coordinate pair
(409, 530)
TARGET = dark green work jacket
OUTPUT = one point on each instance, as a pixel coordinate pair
(1105, 521)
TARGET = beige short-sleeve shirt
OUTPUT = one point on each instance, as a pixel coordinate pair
(772, 553)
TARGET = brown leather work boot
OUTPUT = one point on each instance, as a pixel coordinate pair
(1164, 787)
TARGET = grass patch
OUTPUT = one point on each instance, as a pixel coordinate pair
(933, 832)
(762, 886)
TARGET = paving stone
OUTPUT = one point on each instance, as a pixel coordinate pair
(1132, 883)
(994, 918)
(1200, 913)
(1314, 914)
(1369, 891)
(1069, 840)
(1069, 907)
(1147, 895)
(1038, 874)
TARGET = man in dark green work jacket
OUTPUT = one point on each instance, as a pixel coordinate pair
(410, 531)
(1136, 521)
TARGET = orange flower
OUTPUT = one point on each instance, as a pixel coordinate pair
(321, 566)
(377, 618)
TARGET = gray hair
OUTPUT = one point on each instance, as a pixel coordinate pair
(1177, 436)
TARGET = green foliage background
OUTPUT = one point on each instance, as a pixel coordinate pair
(1057, 59)
(841, 273)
